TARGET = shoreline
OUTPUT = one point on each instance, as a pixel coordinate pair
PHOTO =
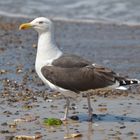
(73, 20)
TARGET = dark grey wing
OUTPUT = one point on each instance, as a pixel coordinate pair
(68, 61)
(79, 79)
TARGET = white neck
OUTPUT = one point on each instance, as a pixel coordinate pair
(47, 50)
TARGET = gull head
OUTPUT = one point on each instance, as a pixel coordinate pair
(40, 24)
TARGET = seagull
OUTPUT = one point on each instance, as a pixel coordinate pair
(68, 73)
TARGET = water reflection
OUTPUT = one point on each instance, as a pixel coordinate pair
(110, 118)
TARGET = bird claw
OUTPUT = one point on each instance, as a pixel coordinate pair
(63, 119)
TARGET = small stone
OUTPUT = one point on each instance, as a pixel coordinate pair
(4, 131)
(4, 124)
(130, 133)
(9, 137)
(102, 109)
(3, 71)
(134, 138)
(74, 117)
(7, 113)
(12, 125)
(68, 136)
(34, 46)
(73, 104)
(122, 127)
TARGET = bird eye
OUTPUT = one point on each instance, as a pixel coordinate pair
(40, 22)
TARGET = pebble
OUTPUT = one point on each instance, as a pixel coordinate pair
(4, 124)
(34, 46)
(9, 137)
(4, 131)
(130, 133)
(122, 127)
(2, 71)
(74, 118)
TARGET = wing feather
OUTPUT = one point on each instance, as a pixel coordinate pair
(69, 61)
(79, 79)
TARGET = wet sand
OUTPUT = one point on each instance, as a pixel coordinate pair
(23, 95)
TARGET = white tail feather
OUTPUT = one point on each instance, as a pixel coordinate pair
(122, 88)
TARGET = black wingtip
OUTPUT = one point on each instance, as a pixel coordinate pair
(129, 82)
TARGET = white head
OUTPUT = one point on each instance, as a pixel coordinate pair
(40, 24)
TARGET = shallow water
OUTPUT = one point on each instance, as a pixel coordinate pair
(114, 46)
(110, 10)
(119, 121)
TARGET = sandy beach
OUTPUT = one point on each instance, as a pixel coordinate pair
(23, 95)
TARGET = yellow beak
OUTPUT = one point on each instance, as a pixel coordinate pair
(25, 26)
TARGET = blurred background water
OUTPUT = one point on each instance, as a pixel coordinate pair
(127, 11)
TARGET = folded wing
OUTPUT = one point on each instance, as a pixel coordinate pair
(78, 74)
